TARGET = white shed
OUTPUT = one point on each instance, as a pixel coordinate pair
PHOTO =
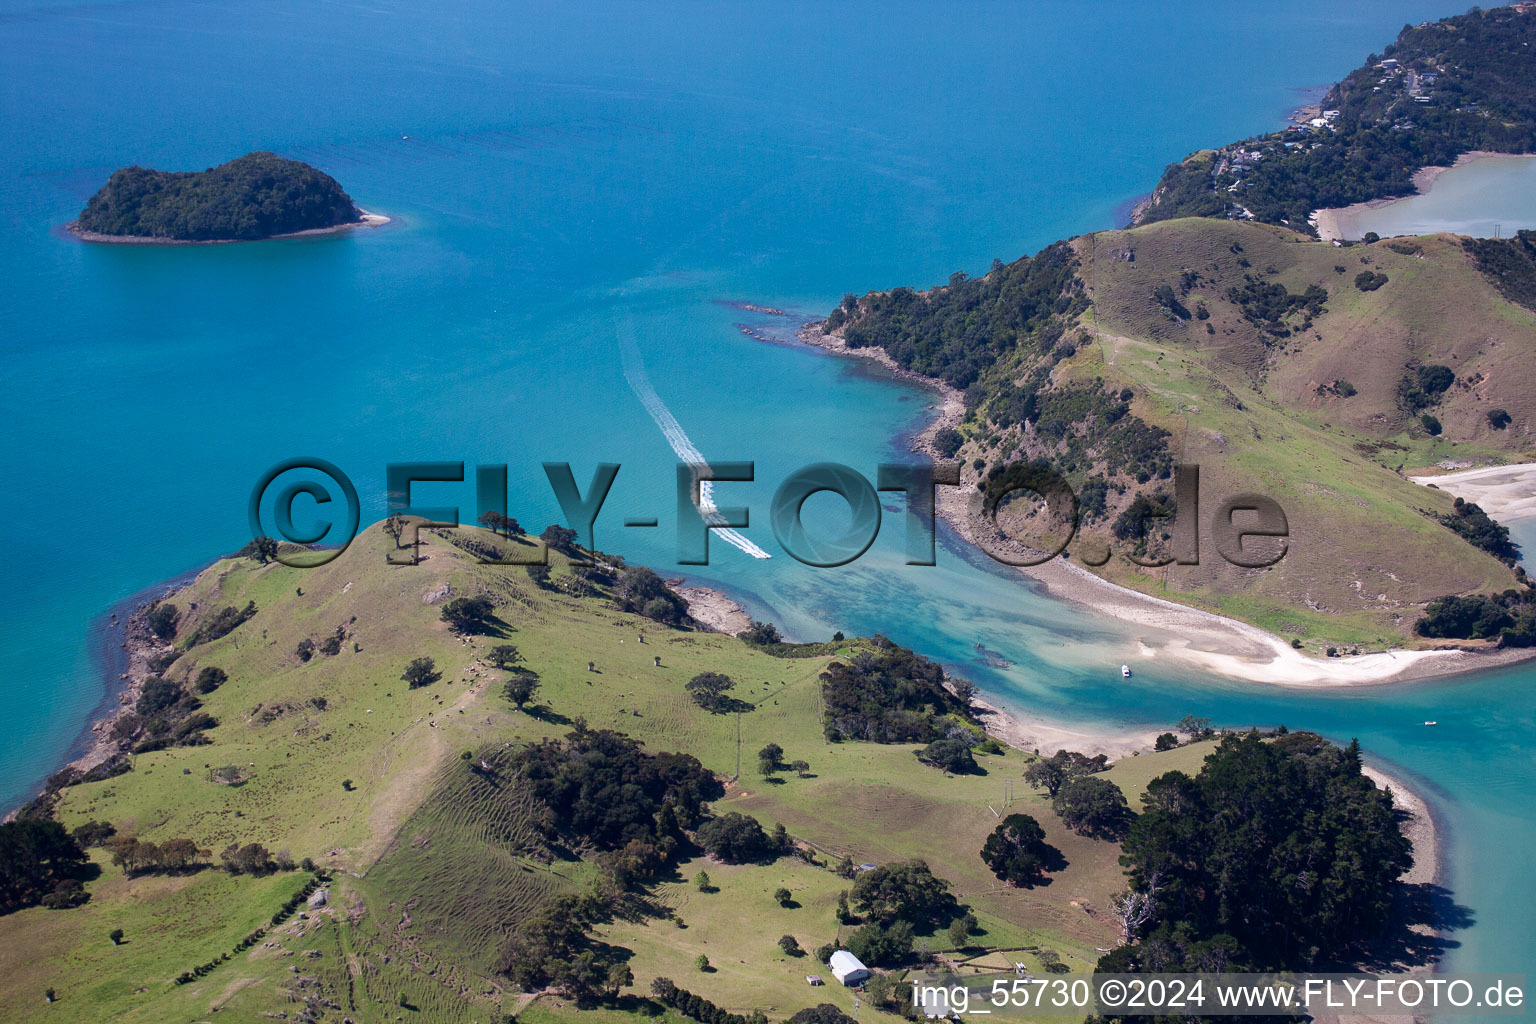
(847, 969)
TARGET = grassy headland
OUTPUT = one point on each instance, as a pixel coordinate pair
(1280, 366)
(409, 802)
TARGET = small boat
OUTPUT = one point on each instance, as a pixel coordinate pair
(1431, 722)
(1125, 670)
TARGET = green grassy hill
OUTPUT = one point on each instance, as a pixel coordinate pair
(1313, 417)
(434, 856)
(1312, 374)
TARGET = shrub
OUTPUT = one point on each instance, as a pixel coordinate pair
(162, 618)
(210, 679)
(1498, 419)
(947, 442)
(1165, 741)
(952, 755)
(790, 947)
(761, 633)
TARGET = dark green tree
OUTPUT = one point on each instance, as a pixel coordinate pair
(421, 672)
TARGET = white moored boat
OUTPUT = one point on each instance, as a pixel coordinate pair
(1125, 670)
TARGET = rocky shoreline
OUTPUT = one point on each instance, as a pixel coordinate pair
(712, 609)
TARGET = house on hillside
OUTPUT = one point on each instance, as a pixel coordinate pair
(847, 969)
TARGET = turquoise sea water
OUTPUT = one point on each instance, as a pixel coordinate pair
(574, 183)
(1484, 198)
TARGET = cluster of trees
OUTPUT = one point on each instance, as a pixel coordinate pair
(173, 856)
(161, 618)
(697, 1007)
(1275, 856)
(329, 645)
(1509, 617)
(1422, 386)
(1051, 773)
(253, 859)
(522, 682)
(641, 591)
(601, 787)
(40, 863)
(999, 338)
(166, 715)
(1275, 309)
(254, 196)
(770, 761)
(895, 901)
(1484, 99)
(225, 621)
(889, 695)
(1084, 426)
(1509, 263)
(1469, 521)
(958, 332)
(760, 634)
(1088, 806)
(906, 890)
(552, 948)
(500, 522)
(738, 839)
(1136, 523)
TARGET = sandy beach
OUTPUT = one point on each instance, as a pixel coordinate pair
(1201, 639)
(1504, 492)
(1341, 224)
(1037, 735)
(367, 220)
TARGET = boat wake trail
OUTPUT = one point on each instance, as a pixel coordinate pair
(640, 384)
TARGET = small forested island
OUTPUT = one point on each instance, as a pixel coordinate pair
(256, 196)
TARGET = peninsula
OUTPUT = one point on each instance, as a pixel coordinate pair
(1332, 379)
(468, 791)
(256, 196)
